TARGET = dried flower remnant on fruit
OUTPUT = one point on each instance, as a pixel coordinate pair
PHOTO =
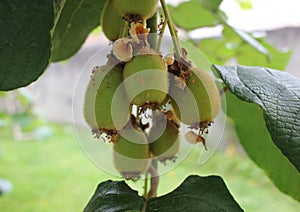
(168, 59)
(139, 33)
(181, 66)
(122, 49)
(171, 116)
(202, 126)
(149, 105)
(194, 138)
(105, 135)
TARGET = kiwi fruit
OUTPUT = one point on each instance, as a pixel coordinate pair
(203, 90)
(131, 153)
(137, 9)
(146, 79)
(100, 91)
(111, 21)
(167, 145)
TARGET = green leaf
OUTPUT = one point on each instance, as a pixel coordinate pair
(58, 5)
(247, 55)
(277, 93)
(211, 4)
(114, 196)
(251, 41)
(250, 126)
(25, 41)
(217, 50)
(77, 19)
(196, 194)
(192, 15)
(221, 50)
(244, 36)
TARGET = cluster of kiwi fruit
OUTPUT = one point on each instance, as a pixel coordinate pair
(134, 65)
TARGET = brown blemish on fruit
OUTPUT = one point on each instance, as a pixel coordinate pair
(142, 82)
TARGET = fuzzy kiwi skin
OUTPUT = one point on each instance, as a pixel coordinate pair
(98, 99)
(111, 21)
(140, 79)
(205, 93)
(131, 156)
(144, 9)
(167, 145)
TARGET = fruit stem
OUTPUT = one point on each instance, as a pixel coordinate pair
(124, 29)
(146, 185)
(152, 24)
(172, 29)
(154, 182)
(161, 35)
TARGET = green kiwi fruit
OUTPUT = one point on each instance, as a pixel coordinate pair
(143, 9)
(144, 72)
(98, 99)
(204, 91)
(167, 145)
(111, 21)
(131, 153)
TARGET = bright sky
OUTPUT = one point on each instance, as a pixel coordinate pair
(266, 14)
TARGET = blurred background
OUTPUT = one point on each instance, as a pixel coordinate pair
(43, 167)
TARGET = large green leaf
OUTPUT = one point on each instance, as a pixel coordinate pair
(114, 196)
(77, 19)
(277, 94)
(25, 41)
(196, 194)
(192, 15)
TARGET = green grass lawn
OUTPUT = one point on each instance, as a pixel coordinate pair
(56, 175)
